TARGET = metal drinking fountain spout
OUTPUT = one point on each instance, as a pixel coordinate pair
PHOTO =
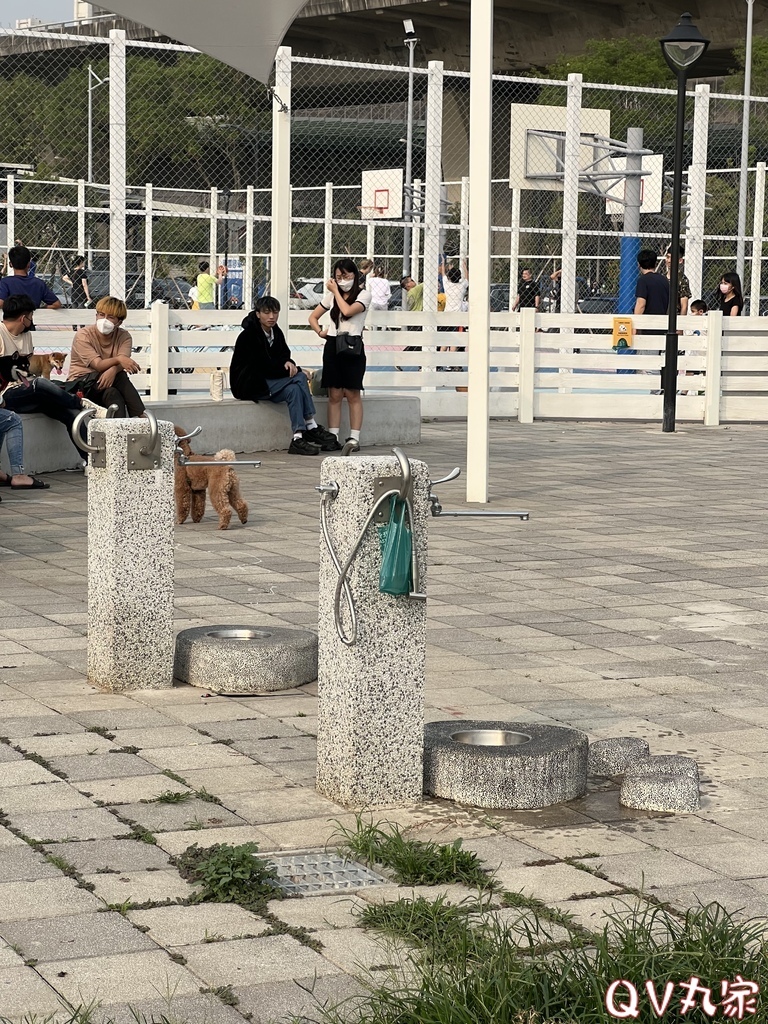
(437, 509)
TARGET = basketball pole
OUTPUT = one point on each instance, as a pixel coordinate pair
(480, 136)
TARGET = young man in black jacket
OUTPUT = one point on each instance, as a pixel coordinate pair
(262, 369)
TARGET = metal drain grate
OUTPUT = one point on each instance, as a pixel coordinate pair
(307, 873)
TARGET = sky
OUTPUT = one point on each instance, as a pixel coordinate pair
(46, 10)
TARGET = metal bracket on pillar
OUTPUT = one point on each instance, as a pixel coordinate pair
(142, 451)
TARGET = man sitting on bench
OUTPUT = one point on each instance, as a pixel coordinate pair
(262, 370)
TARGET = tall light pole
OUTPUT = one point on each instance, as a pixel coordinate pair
(683, 48)
(92, 78)
(411, 39)
(742, 227)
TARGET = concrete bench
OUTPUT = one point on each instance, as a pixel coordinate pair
(241, 426)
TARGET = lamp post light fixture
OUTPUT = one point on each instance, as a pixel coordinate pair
(683, 48)
(411, 39)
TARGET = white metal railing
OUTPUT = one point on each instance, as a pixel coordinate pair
(543, 366)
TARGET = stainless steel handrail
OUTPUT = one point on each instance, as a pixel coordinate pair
(151, 444)
(83, 416)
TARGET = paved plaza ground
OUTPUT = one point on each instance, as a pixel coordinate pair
(634, 602)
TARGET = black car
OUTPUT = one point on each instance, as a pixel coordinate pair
(599, 304)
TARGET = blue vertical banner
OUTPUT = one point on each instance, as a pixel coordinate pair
(628, 271)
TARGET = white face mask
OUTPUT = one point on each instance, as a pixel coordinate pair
(346, 283)
(725, 288)
(105, 326)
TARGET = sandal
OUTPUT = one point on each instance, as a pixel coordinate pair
(36, 485)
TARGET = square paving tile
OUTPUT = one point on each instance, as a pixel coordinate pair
(85, 767)
(653, 869)
(175, 843)
(22, 863)
(209, 755)
(274, 958)
(141, 886)
(69, 745)
(130, 790)
(57, 826)
(184, 926)
(746, 859)
(47, 897)
(233, 780)
(24, 994)
(115, 854)
(304, 999)
(162, 817)
(281, 805)
(42, 725)
(84, 935)
(54, 796)
(24, 773)
(108, 979)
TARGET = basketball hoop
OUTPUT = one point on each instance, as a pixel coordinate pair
(372, 212)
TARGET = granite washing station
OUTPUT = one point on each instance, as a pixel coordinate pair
(369, 654)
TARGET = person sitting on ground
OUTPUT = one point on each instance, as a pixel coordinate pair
(12, 432)
(21, 282)
(262, 370)
(34, 394)
(101, 360)
(206, 285)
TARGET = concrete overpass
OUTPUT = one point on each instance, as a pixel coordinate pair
(529, 33)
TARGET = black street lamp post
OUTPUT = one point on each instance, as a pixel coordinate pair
(683, 48)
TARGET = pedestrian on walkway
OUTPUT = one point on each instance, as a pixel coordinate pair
(730, 296)
(207, 284)
(683, 286)
(344, 352)
(77, 279)
(528, 292)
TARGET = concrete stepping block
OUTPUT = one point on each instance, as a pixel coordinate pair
(245, 659)
(613, 755)
(514, 765)
(663, 791)
(666, 764)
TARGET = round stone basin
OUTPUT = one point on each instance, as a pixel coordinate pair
(239, 634)
(490, 738)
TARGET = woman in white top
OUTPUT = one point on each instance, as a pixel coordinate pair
(380, 289)
(343, 355)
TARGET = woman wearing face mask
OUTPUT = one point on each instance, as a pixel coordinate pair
(101, 360)
(731, 299)
(344, 352)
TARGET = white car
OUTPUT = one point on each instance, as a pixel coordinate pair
(306, 292)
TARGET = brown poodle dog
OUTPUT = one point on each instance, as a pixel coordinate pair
(190, 484)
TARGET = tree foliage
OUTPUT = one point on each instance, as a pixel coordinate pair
(636, 60)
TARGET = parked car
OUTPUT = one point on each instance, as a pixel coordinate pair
(599, 304)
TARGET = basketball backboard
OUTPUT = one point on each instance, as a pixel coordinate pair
(537, 144)
(651, 185)
(382, 194)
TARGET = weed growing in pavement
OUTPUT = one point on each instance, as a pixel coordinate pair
(229, 874)
(171, 796)
(224, 992)
(470, 967)
(209, 798)
(411, 861)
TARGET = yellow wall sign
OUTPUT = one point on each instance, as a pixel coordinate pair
(622, 331)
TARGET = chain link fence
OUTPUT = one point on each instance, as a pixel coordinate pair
(379, 158)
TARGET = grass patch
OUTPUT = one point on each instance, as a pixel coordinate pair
(411, 861)
(472, 968)
(229, 874)
(224, 992)
(171, 796)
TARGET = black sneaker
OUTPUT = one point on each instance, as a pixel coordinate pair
(327, 441)
(299, 446)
